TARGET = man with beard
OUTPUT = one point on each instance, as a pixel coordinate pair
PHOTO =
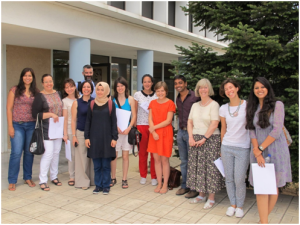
(184, 101)
(87, 74)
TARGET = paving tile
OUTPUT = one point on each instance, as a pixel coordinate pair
(4, 211)
(184, 215)
(35, 209)
(136, 218)
(14, 218)
(209, 219)
(79, 193)
(37, 195)
(169, 199)
(82, 206)
(88, 220)
(128, 203)
(102, 199)
(14, 203)
(58, 200)
(229, 220)
(121, 191)
(154, 209)
(293, 210)
(143, 195)
(58, 216)
(108, 213)
(187, 205)
(35, 221)
(165, 221)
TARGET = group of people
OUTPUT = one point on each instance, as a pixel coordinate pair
(249, 129)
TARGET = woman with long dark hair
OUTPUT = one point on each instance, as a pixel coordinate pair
(20, 127)
(265, 120)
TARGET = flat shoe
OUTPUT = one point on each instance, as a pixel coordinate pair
(198, 200)
(12, 187)
(30, 183)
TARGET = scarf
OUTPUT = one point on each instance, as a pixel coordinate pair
(102, 100)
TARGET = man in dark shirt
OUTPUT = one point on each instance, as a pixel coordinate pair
(87, 73)
(184, 101)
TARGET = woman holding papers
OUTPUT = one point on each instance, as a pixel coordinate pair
(142, 100)
(20, 127)
(84, 169)
(123, 101)
(161, 113)
(265, 119)
(47, 104)
(101, 134)
(235, 146)
(205, 142)
(70, 94)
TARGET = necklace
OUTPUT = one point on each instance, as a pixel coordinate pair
(205, 103)
(235, 113)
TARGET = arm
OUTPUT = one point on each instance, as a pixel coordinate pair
(151, 124)
(166, 122)
(73, 121)
(213, 125)
(65, 115)
(136, 110)
(114, 128)
(223, 127)
(37, 108)
(87, 127)
(9, 109)
(190, 132)
(133, 115)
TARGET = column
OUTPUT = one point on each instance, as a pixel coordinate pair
(181, 20)
(160, 11)
(196, 30)
(211, 35)
(144, 65)
(79, 55)
(134, 7)
(4, 133)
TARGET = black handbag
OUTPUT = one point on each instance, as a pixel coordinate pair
(37, 140)
(134, 138)
(174, 178)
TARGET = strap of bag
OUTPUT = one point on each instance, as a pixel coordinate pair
(37, 124)
(92, 104)
(118, 103)
(109, 105)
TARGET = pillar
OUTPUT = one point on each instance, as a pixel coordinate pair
(79, 55)
(144, 65)
(160, 11)
(4, 132)
(134, 7)
(181, 20)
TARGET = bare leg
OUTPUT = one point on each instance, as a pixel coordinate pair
(125, 155)
(211, 196)
(113, 165)
(158, 170)
(166, 173)
(272, 202)
(263, 208)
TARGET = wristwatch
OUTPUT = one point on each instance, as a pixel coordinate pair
(261, 148)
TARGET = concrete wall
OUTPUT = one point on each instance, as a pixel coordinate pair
(17, 58)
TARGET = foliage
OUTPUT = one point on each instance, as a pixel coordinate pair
(263, 41)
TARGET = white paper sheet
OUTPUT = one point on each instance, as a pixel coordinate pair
(145, 106)
(56, 130)
(219, 165)
(123, 117)
(68, 150)
(264, 180)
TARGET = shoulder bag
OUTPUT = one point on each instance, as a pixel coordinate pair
(37, 140)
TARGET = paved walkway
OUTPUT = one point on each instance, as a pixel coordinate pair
(137, 204)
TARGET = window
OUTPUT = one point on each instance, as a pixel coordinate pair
(171, 14)
(60, 68)
(190, 23)
(169, 80)
(119, 5)
(147, 9)
(157, 72)
(121, 68)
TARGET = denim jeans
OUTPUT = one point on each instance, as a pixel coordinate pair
(102, 172)
(20, 142)
(183, 148)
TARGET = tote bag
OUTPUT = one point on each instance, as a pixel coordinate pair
(37, 140)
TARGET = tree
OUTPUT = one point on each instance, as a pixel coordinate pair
(264, 41)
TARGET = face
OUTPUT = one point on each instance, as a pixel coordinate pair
(100, 91)
(88, 73)
(180, 85)
(86, 89)
(120, 88)
(230, 90)
(147, 83)
(69, 89)
(203, 91)
(161, 93)
(48, 83)
(27, 78)
(259, 90)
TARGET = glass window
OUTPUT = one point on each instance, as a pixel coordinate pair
(117, 4)
(147, 9)
(60, 68)
(171, 15)
(157, 72)
(169, 80)
(99, 59)
(134, 77)
(191, 23)
(121, 68)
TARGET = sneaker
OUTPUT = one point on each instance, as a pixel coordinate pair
(239, 212)
(192, 194)
(230, 211)
(97, 190)
(105, 191)
(153, 182)
(182, 191)
(143, 180)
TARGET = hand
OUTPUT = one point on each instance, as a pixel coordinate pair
(260, 161)
(200, 142)
(55, 118)
(65, 138)
(119, 131)
(151, 129)
(192, 141)
(74, 141)
(256, 152)
(155, 136)
(113, 143)
(11, 132)
(87, 143)
(125, 132)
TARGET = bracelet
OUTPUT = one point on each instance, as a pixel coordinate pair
(205, 138)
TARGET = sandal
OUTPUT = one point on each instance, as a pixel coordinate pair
(124, 184)
(198, 199)
(56, 182)
(71, 182)
(12, 187)
(30, 183)
(113, 182)
(208, 205)
(45, 187)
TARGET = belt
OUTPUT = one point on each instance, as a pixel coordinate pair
(20, 122)
(184, 128)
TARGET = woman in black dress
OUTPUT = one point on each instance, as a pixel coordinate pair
(101, 135)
